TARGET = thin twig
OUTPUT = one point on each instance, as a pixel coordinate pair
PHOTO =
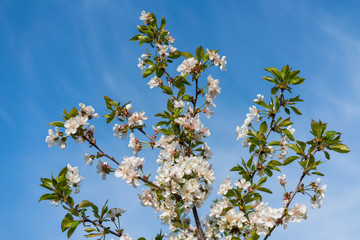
(198, 224)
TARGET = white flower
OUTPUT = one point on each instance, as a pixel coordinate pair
(297, 213)
(241, 132)
(170, 39)
(145, 16)
(54, 202)
(115, 212)
(187, 65)
(134, 144)
(154, 82)
(215, 57)
(74, 123)
(120, 130)
(213, 90)
(282, 179)
(137, 118)
(207, 151)
(162, 49)
(71, 126)
(179, 104)
(225, 186)
(103, 168)
(259, 98)
(53, 138)
(88, 111)
(128, 170)
(88, 159)
(74, 177)
(125, 237)
(242, 183)
(172, 49)
(141, 65)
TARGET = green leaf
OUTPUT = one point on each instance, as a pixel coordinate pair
(71, 231)
(275, 72)
(93, 235)
(73, 113)
(318, 173)
(90, 230)
(170, 106)
(267, 78)
(286, 122)
(148, 72)
(167, 90)
(142, 238)
(135, 38)
(162, 123)
(327, 155)
(187, 55)
(47, 196)
(66, 223)
(56, 124)
(110, 117)
(175, 55)
(85, 204)
(187, 98)
(290, 160)
(200, 53)
(340, 148)
(274, 163)
(297, 81)
(181, 92)
(316, 129)
(296, 110)
(301, 144)
(262, 180)
(163, 23)
(288, 134)
(274, 90)
(264, 190)
(274, 143)
(263, 127)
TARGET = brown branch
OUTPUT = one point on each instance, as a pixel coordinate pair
(151, 183)
(297, 189)
(103, 153)
(198, 224)
(103, 227)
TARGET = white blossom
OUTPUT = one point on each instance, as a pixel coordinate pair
(137, 118)
(242, 183)
(88, 111)
(154, 82)
(88, 159)
(141, 65)
(225, 186)
(128, 170)
(145, 16)
(120, 130)
(187, 65)
(259, 98)
(74, 178)
(102, 168)
(115, 212)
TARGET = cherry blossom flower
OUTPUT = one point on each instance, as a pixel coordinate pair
(187, 65)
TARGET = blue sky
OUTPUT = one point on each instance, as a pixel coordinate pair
(56, 54)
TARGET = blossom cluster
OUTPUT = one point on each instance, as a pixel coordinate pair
(74, 177)
(242, 132)
(316, 200)
(129, 170)
(75, 126)
(135, 119)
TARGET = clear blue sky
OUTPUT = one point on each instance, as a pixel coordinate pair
(56, 54)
